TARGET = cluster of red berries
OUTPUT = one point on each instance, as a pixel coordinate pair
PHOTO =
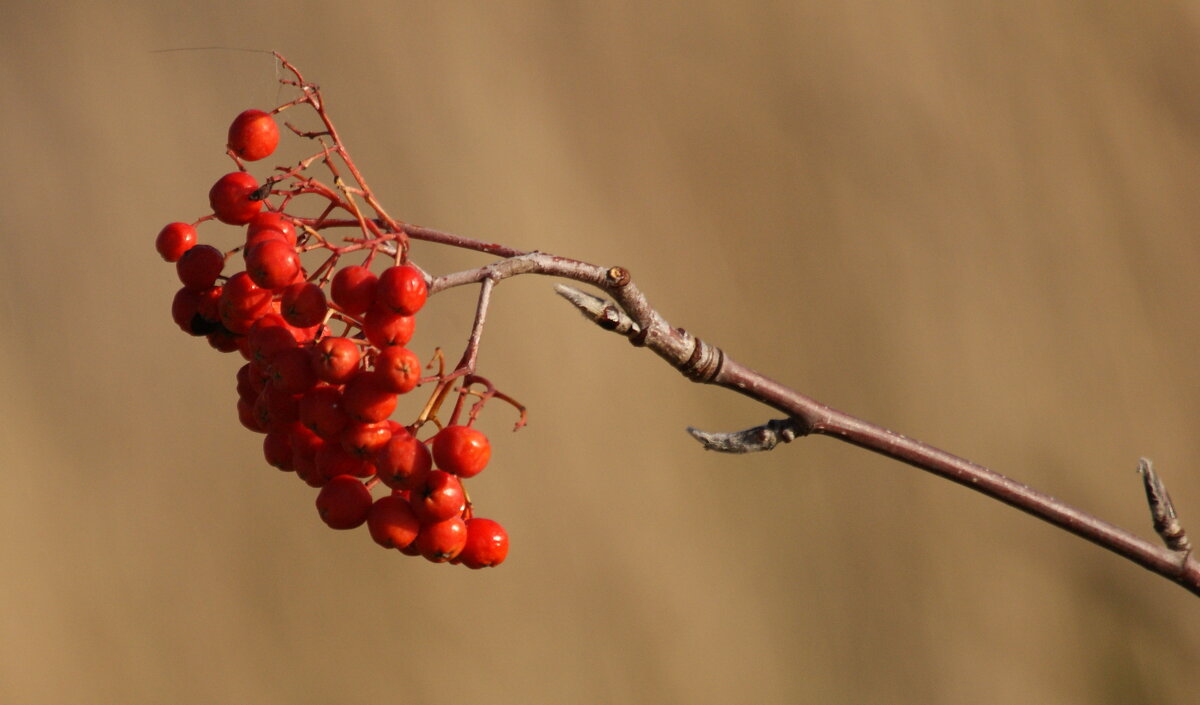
(325, 401)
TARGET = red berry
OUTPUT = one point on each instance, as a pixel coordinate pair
(364, 440)
(272, 221)
(353, 289)
(392, 522)
(175, 239)
(398, 369)
(404, 462)
(401, 290)
(442, 541)
(385, 329)
(333, 460)
(487, 544)
(223, 340)
(365, 400)
(277, 448)
(185, 311)
(253, 135)
(273, 263)
(440, 497)
(269, 336)
(335, 360)
(321, 411)
(461, 450)
(230, 198)
(343, 503)
(303, 304)
(242, 298)
(291, 370)
(199, 267)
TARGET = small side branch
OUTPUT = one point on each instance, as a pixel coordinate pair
(751, 440)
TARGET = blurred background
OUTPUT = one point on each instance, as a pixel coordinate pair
(974, 223)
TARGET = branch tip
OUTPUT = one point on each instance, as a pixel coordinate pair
(1162, 510)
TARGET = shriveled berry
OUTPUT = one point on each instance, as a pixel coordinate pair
(344, 502)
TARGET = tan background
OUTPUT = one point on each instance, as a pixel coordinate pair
(972, 222)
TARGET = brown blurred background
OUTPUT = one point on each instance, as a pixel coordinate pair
(974, 223)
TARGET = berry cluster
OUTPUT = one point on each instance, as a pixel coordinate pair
(325, 346)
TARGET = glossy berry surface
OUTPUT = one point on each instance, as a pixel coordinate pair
(174, 240)
(253, 135)
(230, 199)
(344, 502)
(486, 544)
(461, 450)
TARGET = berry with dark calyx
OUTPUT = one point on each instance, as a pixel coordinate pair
(404, 462)
(461, 450)
(291, 371)
(385, 329)
(335, 360)
(199, 267)
(442, 541)
(174, 240)
(344, 502)
(439, 497)
(303, 304)
(392, 523)
(487, 544)
(366, 400)
(397, 369)
(230, 198)
(401, 290)
(273, 264)
(253, 135)
(353, 289)
(333, 460)
(364, 440)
